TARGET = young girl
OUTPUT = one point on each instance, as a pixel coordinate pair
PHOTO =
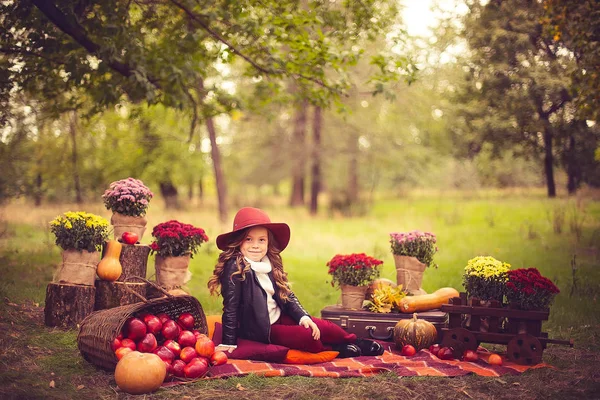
(257, 301)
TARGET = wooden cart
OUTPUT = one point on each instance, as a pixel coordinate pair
(470, 323)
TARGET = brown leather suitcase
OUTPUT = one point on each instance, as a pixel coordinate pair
(370, 325)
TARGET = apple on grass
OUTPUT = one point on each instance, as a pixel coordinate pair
(129, 237)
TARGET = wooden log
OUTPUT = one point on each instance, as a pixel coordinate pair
(114, 294)
(134, 260)
(67, 305)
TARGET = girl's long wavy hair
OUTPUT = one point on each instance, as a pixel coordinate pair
(233, 251)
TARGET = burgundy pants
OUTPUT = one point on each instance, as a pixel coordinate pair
(286, 332)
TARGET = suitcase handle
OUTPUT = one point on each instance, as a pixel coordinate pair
(371, 329)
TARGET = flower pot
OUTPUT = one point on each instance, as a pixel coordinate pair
(353, 296)
(409, 274)
(126, 223)
(172, 272)
(78, 267)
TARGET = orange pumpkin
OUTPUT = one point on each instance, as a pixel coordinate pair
(109, 268)
(139, 373)
(417, 332)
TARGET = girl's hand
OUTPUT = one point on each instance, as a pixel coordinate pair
(308, 323)
(226, 349)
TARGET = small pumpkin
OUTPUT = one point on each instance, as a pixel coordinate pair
(417, 332)
(109, 268)
(138, 373)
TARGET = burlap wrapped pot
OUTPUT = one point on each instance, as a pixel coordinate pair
(125, 223)
(78, 267)
(409, 274)
(172, 272)
(353, 296)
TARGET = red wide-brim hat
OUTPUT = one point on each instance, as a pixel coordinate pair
(248, 217)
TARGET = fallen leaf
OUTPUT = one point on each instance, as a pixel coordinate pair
(36, 304)
(52, 373)
(80, 387)
(240, 387)
(516, 383)
(467, 394)
(52, 384)
(501, 381)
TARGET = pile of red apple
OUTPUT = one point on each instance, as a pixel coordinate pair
(447, 353)
(185, 351)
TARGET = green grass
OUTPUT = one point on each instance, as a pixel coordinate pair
(514, 227)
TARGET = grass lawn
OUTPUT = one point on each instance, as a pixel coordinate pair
(561, 237)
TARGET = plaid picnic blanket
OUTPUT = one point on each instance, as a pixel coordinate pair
(421, 364)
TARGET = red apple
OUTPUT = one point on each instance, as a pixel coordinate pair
(434, 349)
(186, 338)
(135, 329)
(128, 343)
(205, 347)
(153, 323)
(170, 330)
(177, 368)
(147, 344)
(129, 237)
(120, 336)
(163, 317)
(199, 334)
(122, 351)
(218, 358)
(196, 369)
(173, 346)
(408, 350)
(446, 353)
(164, 353)
(116, 343)
(186, 320)
(470, 355)
(168, 366)
(187, 354)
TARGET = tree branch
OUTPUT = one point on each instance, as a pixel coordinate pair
(72, 28)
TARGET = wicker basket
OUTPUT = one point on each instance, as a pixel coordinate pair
(100, 328)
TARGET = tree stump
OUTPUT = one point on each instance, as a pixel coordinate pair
(134, 260)
(114, 294)
(67, 305)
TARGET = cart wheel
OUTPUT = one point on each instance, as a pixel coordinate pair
(460, 339)
(525, 349)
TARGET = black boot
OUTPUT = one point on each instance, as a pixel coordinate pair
(369, 347)
(347, 350)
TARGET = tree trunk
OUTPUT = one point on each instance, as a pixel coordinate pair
(115, 294)
(67, 305)
(216, 161)
(37, 195)
(549, 160)
(134, 261)
(200, 189)
(73, 131)
(316, 162)
(299, 163)
(169, 194)
(353, 151)
(572, 174)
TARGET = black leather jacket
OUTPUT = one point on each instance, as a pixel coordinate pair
(245, 312)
